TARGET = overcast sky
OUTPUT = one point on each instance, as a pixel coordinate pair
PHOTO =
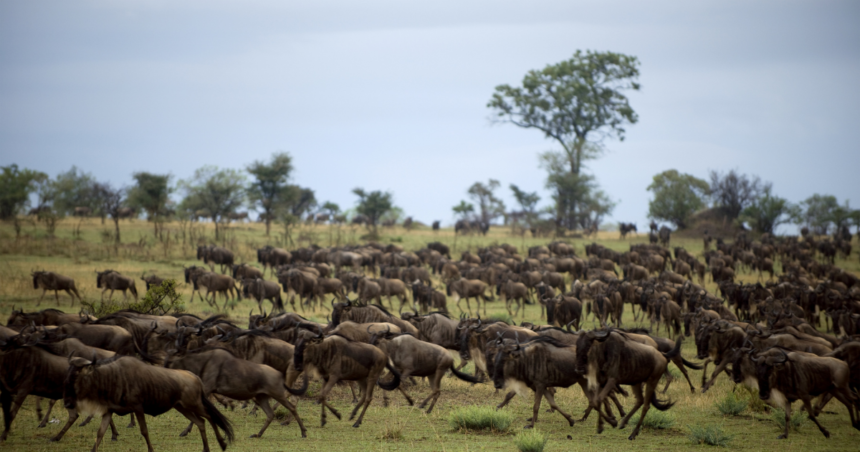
(392, 95)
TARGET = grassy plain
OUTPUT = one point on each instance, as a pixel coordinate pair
(81, 247)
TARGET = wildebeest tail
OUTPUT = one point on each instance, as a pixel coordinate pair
(691, 365)
(6, 400)
(462, 376)
(217, 419)
(394, 383)
(660, 404)
(300, 391)
(675, 351)
(279, 303)
(133, 289)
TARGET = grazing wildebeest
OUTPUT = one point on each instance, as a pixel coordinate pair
(225, 374)
(125, 385)
(113, 281)
(335, 358)
(214, 284)
(468, 288)
(608, 359)
(261, 290)
(56, 282)
(414, 357)
(563, 310)
(151, 280)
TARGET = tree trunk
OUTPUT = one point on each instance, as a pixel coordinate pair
(268, 221)
(215, 220)
(116, 225)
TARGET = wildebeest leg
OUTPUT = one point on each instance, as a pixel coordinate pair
(368, 397)
(846, 397)
(47, 414)
(811, 413)
(9, 416)
(649, 393)
(57, 296)
(553, 405)
(86, 421)
(705, 370)
(73, 416)
(539, 390)
(114, 434)
(263, 402)
(292, 408)
(325, 390)
(143, 430)
(719, 368)
(680, 365)
(131, 423)
(103, 428)
(507, 399)
(637, 392)
(362, 397)
(187, 430)
(40, 298)
(435, 386)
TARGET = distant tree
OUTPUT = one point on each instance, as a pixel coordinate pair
(303, 202)
(463, 210)
(150, 193)
(111, 200)
(576, 201)
(489, 206)
(269, 191)
(578, 103)
(219, 192)
(816, 212)
(843, 215)
(767, 212)
(676, 197)
(528, 205)
(16, 185)
(373, 205)
(72, 189)
(331, 208)
(733, 192)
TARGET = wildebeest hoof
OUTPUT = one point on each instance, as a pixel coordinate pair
(254, 436)
(783, 436)
(356, 425)
(570, 421)
(183, 434)
(528, 426)
(322, 424)
(114, 438)
(826, 433)
(631, 437)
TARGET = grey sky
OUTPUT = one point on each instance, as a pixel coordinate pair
(392, 95)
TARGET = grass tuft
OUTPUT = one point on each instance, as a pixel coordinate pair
(710, 435)
(798, 418)
(732, 405)
(655, 419)
(531, 441)
(479, 418)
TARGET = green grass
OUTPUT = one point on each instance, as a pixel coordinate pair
(798, 418)
(655, 419)
(531, 441)
(142, 252)
(710, 435)
(732, 405)
(480, 418)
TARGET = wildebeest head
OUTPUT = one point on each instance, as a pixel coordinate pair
(583, 346)
(299, 351)
(100, 278)
(77, 366)
(506, 352)
(764, 365)
(550, 309)
(338, 309)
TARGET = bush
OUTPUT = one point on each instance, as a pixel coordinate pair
(798, 418)
(531, 441)
(732, 405)
(655, 419)
(479, 418)
(710, 435)
(158, 300)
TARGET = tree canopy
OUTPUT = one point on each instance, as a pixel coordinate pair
(71, 189)
(16, 185)
(373, 205)
(578, 103)
(676, 197)
(218, 192)
(270, 191)
(151, 193)
(489, 206)
(767, 212)
(733, 192)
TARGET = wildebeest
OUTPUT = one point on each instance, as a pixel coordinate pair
(109, 337)
(785, 376)
(82, 211)
(335, 358)
(563, 310)
(151, 280)
(665, 236)
(607, 359)
(214, 284)
(113, 281)
(414, 357)
(272, 257)
(468, 288)
(261, 290)
(20, 319)
(56, 282)
(511, 291)
(225, 374)
(367, 314)
(427, 298)
(125, 385)
(436, 225)
(245, 271)
(212, 255)
(626, 228)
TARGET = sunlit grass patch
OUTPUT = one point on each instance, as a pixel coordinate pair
(531, 441)
(732, 404)
(710, 435)
(655, 419)
(479, 418)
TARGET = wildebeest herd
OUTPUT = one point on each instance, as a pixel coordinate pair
(792, 336)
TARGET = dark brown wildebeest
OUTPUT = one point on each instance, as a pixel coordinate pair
(664, 345)
(511, 291)
(367, 290)
(56, 282)
(27, 369)
(427, 298)
(785, 376)
(607, 359)
(227, 375)
(850, 353)
(436, 225)
(468, 288)
(414, 357)
(212, 255)
(46, 317)
(436, 328)
(325, 286)
(151, 280)
(335, 358)
(301, 283)
(715, 341)
(261, 290)
(665, 236)
(125, 385)
(562, 310)
(367, 314)
(113, 281)
(82, 212)
(474, 339)
(626, 228)
(109, 337)
(272, 257)
(245, 271)
(441, 248)
(214, 284)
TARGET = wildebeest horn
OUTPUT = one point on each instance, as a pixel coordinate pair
(251, 312)
(517, 338)
(567, 327)
(368, 329)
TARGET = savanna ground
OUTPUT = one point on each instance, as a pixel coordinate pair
(81, 247)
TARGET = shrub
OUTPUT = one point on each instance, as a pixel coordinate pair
(797, 418)
(655, 419)
(392, 432)
(479, 418)
(531, 441)
(158, 300)
(732, 405)
(711, 435)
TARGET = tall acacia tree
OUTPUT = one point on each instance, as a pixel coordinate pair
(578, 103)
(677, 196)
(490, 207)
(150, 193)
(270, 191)
(218, 192)
(16, 185)
(373, 205)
